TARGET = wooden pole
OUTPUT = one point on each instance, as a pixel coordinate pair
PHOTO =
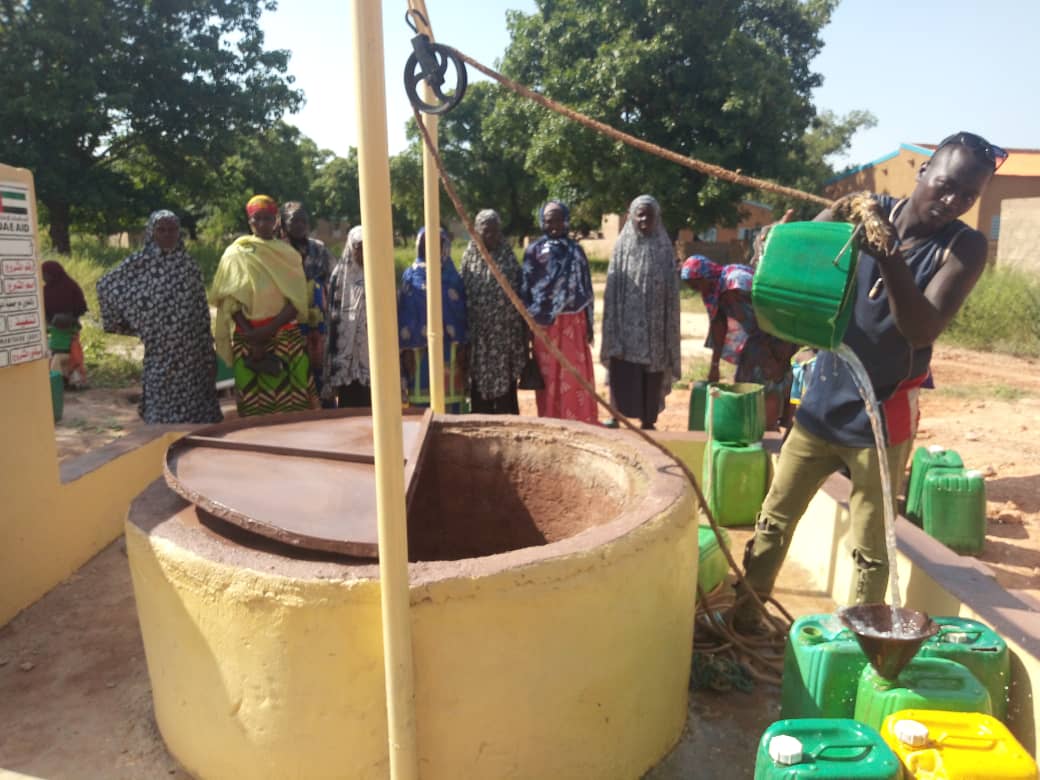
(432, 219)
(385, 369)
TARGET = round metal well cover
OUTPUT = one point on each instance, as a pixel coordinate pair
(305, 479)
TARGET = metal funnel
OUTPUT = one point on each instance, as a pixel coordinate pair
(888, 651)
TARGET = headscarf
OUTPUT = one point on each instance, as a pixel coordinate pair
(346, 350)
(641, 302)
(556, 277)
(420, 244)
(411, 300)
(126, 293)
(61, 295)
(722, 277)
(740, 321)
(263, 204)
(498, 349)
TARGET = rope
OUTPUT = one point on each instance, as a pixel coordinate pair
(538, 332)
(700, 166)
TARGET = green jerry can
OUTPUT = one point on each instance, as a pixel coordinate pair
(698, 406)
(712, 566)
(822, 666)
(737, 412)
(805, 282)
(736, 477)
(57, 395)
(926, 458)
(824, 749)
(953, 508)
(924, 684)
(979, 648)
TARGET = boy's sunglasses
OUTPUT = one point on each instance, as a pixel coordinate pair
(993, 153)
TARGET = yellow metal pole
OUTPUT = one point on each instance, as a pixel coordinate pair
(432, 218)
(385, 369)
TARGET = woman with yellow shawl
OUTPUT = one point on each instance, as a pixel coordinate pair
(261, 295)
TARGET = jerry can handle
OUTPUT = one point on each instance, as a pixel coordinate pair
(845, 751)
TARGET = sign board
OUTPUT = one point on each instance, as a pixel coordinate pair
(22, 326)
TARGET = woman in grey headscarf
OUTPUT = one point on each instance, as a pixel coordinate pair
(640, 344)
(157, 294)
(498, 335)
(345, 368)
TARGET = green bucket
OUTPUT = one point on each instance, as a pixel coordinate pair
(738, 412)
(698, 406)
(805, 282)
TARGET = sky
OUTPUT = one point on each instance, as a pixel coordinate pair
(924, 68)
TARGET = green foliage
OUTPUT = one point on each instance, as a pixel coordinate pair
(828, 135)
(334, 191)
(112, 361)
(482, 142)
(1002, 314)
(113, 102)
(280, 162)
(726, 82)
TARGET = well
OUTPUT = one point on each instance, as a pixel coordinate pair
(553, 576)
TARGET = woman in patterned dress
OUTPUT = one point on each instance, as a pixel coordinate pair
(294, 226)
(557, 291)
(346, 375)
(498, 335)
(262, 297)
(640, 345)
(734, 334)
(158, 295)
(411, 321)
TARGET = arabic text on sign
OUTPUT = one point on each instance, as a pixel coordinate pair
(26, 354)
(23, 303)
(18, 268)
(22, 321)
(28, 284)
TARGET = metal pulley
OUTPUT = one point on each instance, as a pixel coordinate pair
(429, 62)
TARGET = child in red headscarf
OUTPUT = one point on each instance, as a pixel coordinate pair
(63, 305)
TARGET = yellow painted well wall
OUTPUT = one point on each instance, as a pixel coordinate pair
(574, 666)
(50, 529)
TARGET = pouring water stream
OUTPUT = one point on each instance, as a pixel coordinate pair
(866, 391)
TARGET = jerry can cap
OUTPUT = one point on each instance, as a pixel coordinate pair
(911, 733)
(936, 449)
(785, 750)
(973, 474)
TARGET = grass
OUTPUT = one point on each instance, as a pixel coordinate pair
(1000, 392)
(1002, 315)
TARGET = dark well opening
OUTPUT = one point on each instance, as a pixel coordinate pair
(482, 492)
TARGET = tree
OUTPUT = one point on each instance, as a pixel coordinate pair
(828, 135)
(91, 85)
(728, 82)
(482, 142)
(280, 162)
(335, 192)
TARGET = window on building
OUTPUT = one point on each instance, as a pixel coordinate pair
(994, 228)
(710, 235)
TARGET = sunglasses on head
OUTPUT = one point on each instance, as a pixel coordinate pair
(977, 143)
